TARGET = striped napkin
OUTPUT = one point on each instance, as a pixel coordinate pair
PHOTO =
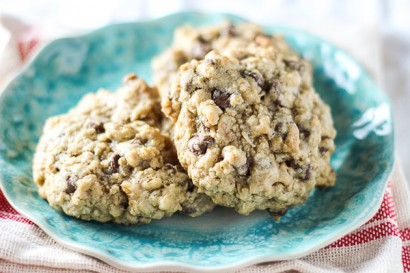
(380, 245)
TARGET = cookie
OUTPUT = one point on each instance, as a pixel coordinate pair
(250, 129)
(194, 43)
(107, 160)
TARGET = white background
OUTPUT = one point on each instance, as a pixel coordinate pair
(377, 32)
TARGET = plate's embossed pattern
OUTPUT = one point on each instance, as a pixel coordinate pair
(68, 68)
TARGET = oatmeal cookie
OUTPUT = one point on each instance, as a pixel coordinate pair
(194, 43)
(107, 160)
(250, 129)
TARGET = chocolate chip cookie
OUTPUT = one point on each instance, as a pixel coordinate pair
(194, 43)
(107, 160)
(250, 129)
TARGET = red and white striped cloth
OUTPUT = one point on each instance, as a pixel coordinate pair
(380, 245)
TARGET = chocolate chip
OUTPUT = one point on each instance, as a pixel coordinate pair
(274, 105)
(187, 86)
(305, 132)
(201, 48)
(71, 187)
(229, 31)
(292, 164)
(294, 65)
(170, 168)
(97, 126)
(144, 164)
(222, 99)
(113, 168)
(190, 186)
(277, 87)
(256, 76)
(138, 141)
(278, 126)
(308, 173)
(189, 210)
(213, 61)
(199, 144)
(323, 150)
(126, 170)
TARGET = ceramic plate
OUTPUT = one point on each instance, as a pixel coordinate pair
(66, 69)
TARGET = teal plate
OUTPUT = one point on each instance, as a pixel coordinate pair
(66, 69)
